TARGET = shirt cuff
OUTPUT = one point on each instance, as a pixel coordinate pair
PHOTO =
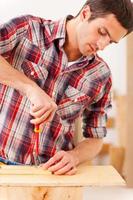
(95, 132)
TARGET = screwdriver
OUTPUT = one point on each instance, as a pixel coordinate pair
(36, 154)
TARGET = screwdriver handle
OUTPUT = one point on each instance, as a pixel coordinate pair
(37, 129)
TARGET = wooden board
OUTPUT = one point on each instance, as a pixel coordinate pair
(86, 176)
(41, 193)
(19, 170)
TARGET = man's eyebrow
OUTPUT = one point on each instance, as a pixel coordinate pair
(111, 40)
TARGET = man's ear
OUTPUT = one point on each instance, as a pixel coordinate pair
(85, 13)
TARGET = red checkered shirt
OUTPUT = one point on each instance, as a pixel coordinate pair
(34, 46)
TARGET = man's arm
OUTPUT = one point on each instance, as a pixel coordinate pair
(87, 149)
(42, 106)
(94, 128)
(65, 162)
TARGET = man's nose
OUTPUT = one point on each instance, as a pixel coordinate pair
(102, 43)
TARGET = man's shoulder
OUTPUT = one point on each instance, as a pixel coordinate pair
(98, 70)
(101, 63)
(100, 60)
(103, 68)
(19, 21)
(15, 23)
(26, 19)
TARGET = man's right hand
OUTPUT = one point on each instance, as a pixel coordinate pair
(42, 106)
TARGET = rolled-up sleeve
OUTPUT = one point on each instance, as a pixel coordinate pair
(12, 32)
(95, 115)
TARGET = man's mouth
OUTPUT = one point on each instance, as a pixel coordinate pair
(92, 48)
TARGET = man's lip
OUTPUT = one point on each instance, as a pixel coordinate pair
(92, 48)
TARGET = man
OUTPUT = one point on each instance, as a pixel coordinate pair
(50, 75)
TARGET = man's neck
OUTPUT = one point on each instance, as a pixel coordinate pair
(70, 46)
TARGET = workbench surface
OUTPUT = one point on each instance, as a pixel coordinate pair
(85, 176)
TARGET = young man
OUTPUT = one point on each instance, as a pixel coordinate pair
(50, 75)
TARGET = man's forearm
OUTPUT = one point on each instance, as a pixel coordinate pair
(13, 78)
(42, 105)
(65, 162)
(86, 150)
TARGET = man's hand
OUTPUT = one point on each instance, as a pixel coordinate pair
(63, 162)
(42, 106)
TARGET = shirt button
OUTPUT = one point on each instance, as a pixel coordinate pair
(53, 93)
(32, 73)
(75, 100)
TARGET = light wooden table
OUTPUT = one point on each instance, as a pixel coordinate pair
(30, 183)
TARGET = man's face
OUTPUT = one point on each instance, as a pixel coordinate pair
(97, 34)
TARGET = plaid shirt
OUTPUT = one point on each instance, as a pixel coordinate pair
(34, 46)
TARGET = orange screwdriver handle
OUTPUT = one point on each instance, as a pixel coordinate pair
(37, 129)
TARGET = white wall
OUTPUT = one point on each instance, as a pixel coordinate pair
(45, 8)
(115, 56)
(54, 9)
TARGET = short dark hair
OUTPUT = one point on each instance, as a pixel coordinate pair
(122, 10)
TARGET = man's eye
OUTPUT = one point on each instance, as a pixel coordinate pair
(102, 32)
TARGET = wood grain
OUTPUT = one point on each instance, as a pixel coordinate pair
(37, 184)
(20, 170)
(86, 176)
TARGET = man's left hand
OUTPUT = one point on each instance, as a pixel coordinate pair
(63, 162)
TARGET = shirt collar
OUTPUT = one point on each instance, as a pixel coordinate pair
(58, 32)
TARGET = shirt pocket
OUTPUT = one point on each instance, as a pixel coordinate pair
(31, 61)
(36, 72)
(73, 103)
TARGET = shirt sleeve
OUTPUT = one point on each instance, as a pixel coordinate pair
(12, 32)
(95, 115)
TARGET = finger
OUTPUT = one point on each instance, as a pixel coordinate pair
(49, 118)
(51, 161)
(42, 118)
(48, 105)
(47, 164)
(39, 113)
(35, 108)
(63, 170)
(48, 115)
(72, 171)
(42, 124)
(60, 164)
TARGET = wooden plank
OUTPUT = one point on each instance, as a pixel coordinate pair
(105, 149)
(121, 119)
(86, 176)
(26, 170)
(46, 186)
(129, 119)
(41, 193)
(116, 152)
(110, 122)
